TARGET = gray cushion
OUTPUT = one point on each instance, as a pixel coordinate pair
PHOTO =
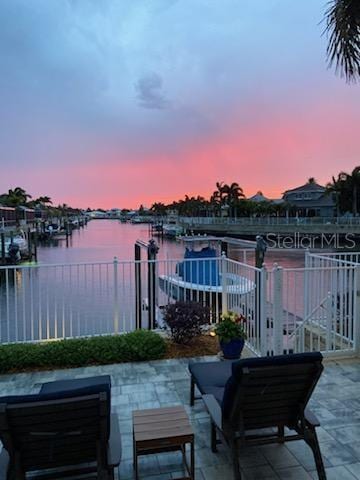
(210, 374)
(218, 393)
(84, 386)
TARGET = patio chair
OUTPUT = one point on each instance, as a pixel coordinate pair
(209, 378)
(259, 399)
(60, 433)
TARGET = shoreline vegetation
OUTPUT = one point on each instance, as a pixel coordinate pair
(344, 188)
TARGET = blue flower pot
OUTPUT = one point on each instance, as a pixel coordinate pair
(232, 349)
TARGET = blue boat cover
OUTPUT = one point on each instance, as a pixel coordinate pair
(203, 272)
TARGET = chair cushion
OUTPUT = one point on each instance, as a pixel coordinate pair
(12, 399)
(210, 374)
(277, 360)
(217, 392)
(78, 386)
(64, 389)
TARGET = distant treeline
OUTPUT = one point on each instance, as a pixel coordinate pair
(345, 189)
(18, 197)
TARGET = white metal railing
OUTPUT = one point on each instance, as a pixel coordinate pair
(270, 220)
(46, 302)
(329, 258)
(287, 309)
(318, 307)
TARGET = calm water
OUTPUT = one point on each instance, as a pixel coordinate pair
(102, 240)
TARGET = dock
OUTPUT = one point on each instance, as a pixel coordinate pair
(33, 233)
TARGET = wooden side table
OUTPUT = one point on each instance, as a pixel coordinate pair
(163, 430)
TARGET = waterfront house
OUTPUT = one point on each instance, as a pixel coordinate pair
(310, 200)
(259, 197)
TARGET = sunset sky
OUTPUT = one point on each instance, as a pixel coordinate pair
(113, 103)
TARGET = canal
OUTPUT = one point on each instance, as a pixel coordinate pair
(77, 288)
(102, 240)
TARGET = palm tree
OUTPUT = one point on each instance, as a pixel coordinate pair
(16, 197)
(336, 188)
(354, 180)
(343, 28)
(233, 193)
(63, 209)
(346, 187)
(158, 208)
(43, 200)
(217, 198)
(221, 191)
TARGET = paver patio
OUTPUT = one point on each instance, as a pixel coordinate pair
(336, 402)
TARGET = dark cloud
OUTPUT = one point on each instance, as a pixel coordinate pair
(150, 92)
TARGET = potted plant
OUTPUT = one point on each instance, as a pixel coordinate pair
(231, 333)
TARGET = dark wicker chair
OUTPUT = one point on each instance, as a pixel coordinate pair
(60, 432)
(260, 397)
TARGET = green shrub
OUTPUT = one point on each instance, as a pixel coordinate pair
(130, 347)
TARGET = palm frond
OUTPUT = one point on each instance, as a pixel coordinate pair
(343, 28)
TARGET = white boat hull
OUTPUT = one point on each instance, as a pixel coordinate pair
(178, 289)
(20, 242)
(172, 231)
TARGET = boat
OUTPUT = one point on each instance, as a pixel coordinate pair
(53, 229)
(198, 277)
(138, 219)
(157, 229)
(21, 244)
(171, 229)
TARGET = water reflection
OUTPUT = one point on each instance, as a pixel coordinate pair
(102, 240)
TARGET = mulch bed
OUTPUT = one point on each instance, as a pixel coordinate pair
(203, 345)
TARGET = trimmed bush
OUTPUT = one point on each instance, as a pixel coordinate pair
(130, 347)
(185, 320)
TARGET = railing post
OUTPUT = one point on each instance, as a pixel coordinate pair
(116, 296)
(3, 252)
(278, 324)
(224, 302)
(138, 310)
(262, 305)
(152, 252)
(356, 313)
(329, 321)
(306, 280)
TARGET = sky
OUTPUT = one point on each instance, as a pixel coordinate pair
(117, 103)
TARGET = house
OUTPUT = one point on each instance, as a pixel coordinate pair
(114, 213)
(311, 200)
(259, 197)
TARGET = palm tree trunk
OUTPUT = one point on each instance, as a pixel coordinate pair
(355, 200)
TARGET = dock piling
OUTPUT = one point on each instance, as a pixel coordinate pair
(2, 236)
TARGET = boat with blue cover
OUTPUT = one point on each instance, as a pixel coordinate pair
(199, 276)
